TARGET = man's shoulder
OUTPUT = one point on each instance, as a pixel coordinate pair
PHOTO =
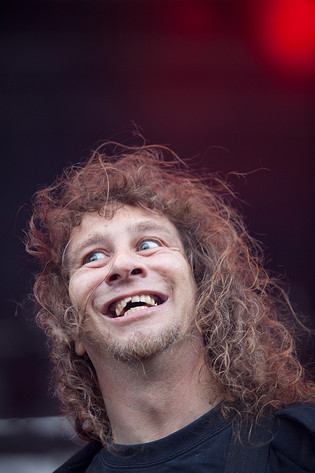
(79, 462)
(300, 414)
(293, 441)
(297, 419)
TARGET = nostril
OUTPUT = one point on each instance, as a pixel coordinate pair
(113, 277)
(124, 274)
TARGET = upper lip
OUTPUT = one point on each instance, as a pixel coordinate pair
(105, 307)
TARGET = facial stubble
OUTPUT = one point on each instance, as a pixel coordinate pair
(140, 345)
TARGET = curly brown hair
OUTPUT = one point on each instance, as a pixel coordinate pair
(241, 310)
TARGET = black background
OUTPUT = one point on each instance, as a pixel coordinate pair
(191, 75)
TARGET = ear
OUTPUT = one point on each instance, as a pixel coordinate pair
(79, 347)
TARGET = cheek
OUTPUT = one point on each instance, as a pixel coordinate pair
(81, 286)
(74, 291)
(191, 289)
(179, 272)
(188, 281)
(172, 262)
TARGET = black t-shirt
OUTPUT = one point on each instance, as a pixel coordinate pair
(202, 447)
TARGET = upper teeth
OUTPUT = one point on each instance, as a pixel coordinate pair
(120, 305)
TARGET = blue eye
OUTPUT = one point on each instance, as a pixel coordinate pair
(94, 256)
(148, 245)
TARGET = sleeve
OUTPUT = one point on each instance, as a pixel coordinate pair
(293, 445)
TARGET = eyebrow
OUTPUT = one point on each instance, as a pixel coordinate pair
(94, 239)
(97, 238)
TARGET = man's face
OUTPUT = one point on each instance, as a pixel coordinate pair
(130, 278)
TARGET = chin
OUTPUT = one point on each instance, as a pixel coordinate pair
(142, 345)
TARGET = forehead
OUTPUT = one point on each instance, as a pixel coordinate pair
(128, 218)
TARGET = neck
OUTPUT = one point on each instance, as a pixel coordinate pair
(151, 399)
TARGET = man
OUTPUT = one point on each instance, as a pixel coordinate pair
(165, 331)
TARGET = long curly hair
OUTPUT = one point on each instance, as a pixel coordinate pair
(241, 311)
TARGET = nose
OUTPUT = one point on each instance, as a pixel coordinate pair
(125, 266)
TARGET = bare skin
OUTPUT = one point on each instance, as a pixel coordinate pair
(149, 400)
(150, 360)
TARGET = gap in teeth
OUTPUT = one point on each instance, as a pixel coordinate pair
(146, 299)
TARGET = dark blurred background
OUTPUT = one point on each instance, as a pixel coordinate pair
(227, 83)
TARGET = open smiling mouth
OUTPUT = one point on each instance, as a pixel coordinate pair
(128, 305)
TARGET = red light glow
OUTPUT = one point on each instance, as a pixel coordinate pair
(287, 29)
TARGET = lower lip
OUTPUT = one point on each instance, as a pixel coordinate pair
(137, 315)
